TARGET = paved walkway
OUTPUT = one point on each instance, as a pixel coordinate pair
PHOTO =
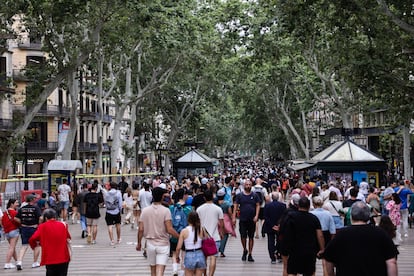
(123, 259)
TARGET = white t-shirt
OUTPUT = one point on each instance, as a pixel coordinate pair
(144, 198)
(64, 190)
(210, 214)
(257, 188)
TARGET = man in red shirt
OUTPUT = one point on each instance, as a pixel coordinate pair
(54, 237)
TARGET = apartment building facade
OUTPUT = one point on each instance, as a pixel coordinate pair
(47, 130)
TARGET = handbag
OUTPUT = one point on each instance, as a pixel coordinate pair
(208, 244)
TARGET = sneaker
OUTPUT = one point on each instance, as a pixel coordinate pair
(112, 243)
(19, 265)
(89, 239)
(93, 242)
(9, 266)
(250, 258)
(35, 264)
(175, 273)
(83, 234)
(222, 255)
(144, 254)
(119, 241)
(273, 262)
(244, 256)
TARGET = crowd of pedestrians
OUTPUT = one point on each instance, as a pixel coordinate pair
(303, 219)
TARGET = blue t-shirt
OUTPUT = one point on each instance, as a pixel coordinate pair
(247, 205)
(403, 196)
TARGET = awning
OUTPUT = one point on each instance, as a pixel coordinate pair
(64, 165)
(300, 166)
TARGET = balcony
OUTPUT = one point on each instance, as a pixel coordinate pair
(52, 147)
(87, 147)
(38, 147)
(48, 111)
(30, 46)
(94, 116)
(19, 75)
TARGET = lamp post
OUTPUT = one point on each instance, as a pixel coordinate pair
(392, 138)
(109, 142)
(26, 167)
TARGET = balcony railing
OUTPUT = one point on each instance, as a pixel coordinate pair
(49, 110)
(19, 75)
(94, 116)
(46, 147)
(86, 146)
(30, 45)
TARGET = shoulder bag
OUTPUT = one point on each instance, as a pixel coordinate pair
(208, 245)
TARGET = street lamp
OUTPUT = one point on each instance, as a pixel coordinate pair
(392, 137)
(109, 142)
(26, 166)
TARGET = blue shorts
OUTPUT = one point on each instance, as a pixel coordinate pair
(26, 233)
(64, 204)
(195, 260)
(12, 234)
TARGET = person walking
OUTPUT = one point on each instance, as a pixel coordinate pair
(81, 204)
(191, 238)
(227, 220)
(155, 225)
(11, 231)
(179, 214)
(393, 207)
(136, 210)
(361, 249)
(29, 217)
(249, 205)
(64, 194)
(145, 196)
(113, 203)
(92, 201)
(128, 205)
(272, 213)
(304, 240)
(53, 236)
(211, 217)
(334, 207)
(327, 223)
(404, 193)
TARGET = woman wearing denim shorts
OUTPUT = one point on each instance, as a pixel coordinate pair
(191, 237)
(11, 230)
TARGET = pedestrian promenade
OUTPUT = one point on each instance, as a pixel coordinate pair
(123, 259)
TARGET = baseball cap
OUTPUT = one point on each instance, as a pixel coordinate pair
(30, 197)
(204, 181)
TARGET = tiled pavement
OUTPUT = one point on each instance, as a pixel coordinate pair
(123, 259)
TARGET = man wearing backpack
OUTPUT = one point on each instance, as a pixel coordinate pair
(261, 192)
(179, 214)
(113, 203)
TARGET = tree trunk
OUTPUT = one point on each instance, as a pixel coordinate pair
(74, 92)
